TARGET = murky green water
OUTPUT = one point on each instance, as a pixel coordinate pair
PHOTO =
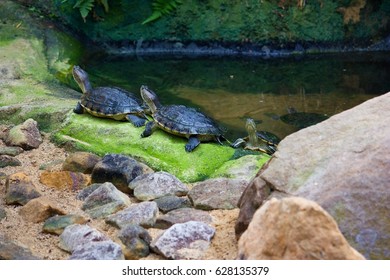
(233, 89)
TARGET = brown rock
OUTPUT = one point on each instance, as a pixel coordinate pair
(40, 209)
(81, 162)
(294, 229)
(19, 189)
(6, 160)
(65, 180)
(25, 135)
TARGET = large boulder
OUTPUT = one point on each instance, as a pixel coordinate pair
(342, 164)
(295, 229)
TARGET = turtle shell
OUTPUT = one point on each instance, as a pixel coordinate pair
(303, 119)
(268, 137)
(185, 121)
(111, 102)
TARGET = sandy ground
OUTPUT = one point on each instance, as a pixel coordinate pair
(44, 245)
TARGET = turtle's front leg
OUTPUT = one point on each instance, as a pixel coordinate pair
(192, 143)
(149, 128)
(135, 120)
(238, 143)
(78, 109)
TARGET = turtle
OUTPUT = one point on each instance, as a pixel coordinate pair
(108, 102)
(302, 119)
(181, 121)
(263, 141)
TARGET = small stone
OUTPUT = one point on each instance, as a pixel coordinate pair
(221, 193)
(51, 165)
(12, 251)
(3, 176)
(171, 202)
(184, 241)
(65, 180)
(136, 240)
(9, 161)
(39, 209)
(117, 169)
(182, 215)
(25, 135)
(57, 224)
(102, 250)
(84, 193)
(20, 189)
(158, 184)
(82, 162)
(75, 235)
(3, 213)
(10, 151)
(143, 214)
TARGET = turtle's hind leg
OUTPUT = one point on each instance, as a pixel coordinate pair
(135, 120)
(78, 109)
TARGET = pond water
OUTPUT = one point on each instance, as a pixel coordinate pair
(233, 89)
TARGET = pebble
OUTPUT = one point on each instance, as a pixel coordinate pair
(3, 213)
(117, 169)
(82, 162)
(75, 235)
(182, 215)
(6, 160)
(220, 193)
(10, 151)
(57, 224)
(39, 209)
(12, 251)
(25, 135)
(20, 189)
(143, 214)
(171, 202)
(157, 184)
(136, 240)
(187, 240)
(102, 250)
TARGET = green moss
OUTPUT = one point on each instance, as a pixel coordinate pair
(160, 151)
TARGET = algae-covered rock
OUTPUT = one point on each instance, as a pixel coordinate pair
(160, 151)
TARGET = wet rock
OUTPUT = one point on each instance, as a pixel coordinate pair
(103, 250)
(171, 202)
(104, 201)
(25, 135)
(84, 193)
(158, 184)
(337, 165)
(12, 251)
(182, 215)
(143, 214)
(117, 169)
(82, 162)
(10, 151)
(184, 241)
(20, 189)
(57, 224)
(65, 180)
(3, 213)
(9, 161)
(136, 240)
(221, 193)
(294, 229)
(75, 235)
(39, 209)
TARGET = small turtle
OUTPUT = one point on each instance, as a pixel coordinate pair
(181, 121)
(263, 141)
(302, 119)
(108, 102)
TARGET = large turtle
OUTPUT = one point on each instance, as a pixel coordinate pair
(181, 121)
(107, 102)
(263, 141)
(302, 119)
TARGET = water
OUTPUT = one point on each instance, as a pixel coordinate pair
(233, 89)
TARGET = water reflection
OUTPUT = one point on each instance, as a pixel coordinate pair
(231, 90)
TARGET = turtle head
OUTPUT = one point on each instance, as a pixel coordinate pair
(82, 79)
(252, 132)
(150, 98)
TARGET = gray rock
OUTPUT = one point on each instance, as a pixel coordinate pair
(84, 193)
(3, 213)
(158, 184)
(182, 215)
(171, 202)
(136, 240)
(19, 189)
(104, 201)
(343, 165)
(220, 193)
(117, 169)
(83, 162)
(184, 241)
(9, 161)
(75, 235)
(143, 214)
(10, 151)
(57, 224)
(9, 250)
(25, 135)
(102, 250)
